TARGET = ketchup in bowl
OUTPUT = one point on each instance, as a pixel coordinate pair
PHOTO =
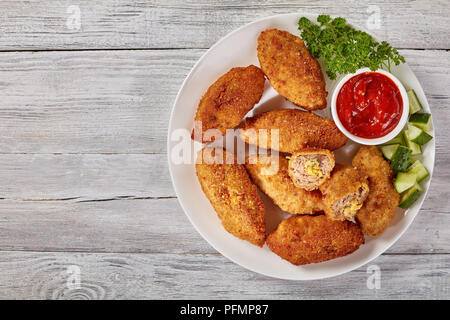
(369, 105)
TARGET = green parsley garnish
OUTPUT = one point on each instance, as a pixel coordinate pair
(344, 48)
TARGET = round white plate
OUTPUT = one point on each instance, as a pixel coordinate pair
(239, 49)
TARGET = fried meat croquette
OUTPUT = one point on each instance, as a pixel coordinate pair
(296, 130)
(312, 239)
(309, 168)
(271, 175)
(381, 204)
(232, 194)
(344, 193)
(291, 69)
(227, 101)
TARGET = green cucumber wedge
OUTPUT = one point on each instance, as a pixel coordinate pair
(404, 181)
(418, 170)
(421, 121)
(417, 135)
(414, 103)
(388, 151)
(400, 160)
(397, 140)
(410, 196)
(414, 147)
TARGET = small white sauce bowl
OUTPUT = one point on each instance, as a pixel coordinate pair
(400, 125)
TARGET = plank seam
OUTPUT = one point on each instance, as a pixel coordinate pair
(161, 49)
(190, 253)
(116, 198)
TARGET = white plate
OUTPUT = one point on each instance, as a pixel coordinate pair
(239, 49)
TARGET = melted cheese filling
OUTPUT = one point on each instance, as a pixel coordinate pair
(352, 207)
(312, 167)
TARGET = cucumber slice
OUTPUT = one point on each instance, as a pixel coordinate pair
(414, 103)
(404, 181)
(397, 140)
(400, 159)
(421, 120)
(410, 196)
(388, 151)
(417, 135)
(418, 170)
(414, 147)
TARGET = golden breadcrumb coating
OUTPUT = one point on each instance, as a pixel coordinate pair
(312, 239)
(310, 167)
(297, 130)
(228, 100)
(344, 193)
(291, 69)
(382, 202)
(233, 196)
(271, 175)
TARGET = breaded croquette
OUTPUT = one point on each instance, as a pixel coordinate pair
(309, 168)
(227, 101)
(344, 193)
(291, 69)
(312, 239)
(271, 175)
(296, 130)
(232, 194)
(381, 204)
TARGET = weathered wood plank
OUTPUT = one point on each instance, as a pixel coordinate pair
(153, 225)
(90, 102)
(29, 275)
(84, 176)
(38, 25)
(119, 101)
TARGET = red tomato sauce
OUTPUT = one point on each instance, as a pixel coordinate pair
(369, 105)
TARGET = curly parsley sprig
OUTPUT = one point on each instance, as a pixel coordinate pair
(344, 48)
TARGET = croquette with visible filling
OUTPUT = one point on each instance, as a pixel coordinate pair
(309, 168)
(344, 193)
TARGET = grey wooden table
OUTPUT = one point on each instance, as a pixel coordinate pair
(87, 209)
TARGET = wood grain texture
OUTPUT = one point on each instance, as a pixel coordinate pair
(116, 225)
(120, 101)
(89, 102)
(32, 275)
(84, 176)
(105, 24)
